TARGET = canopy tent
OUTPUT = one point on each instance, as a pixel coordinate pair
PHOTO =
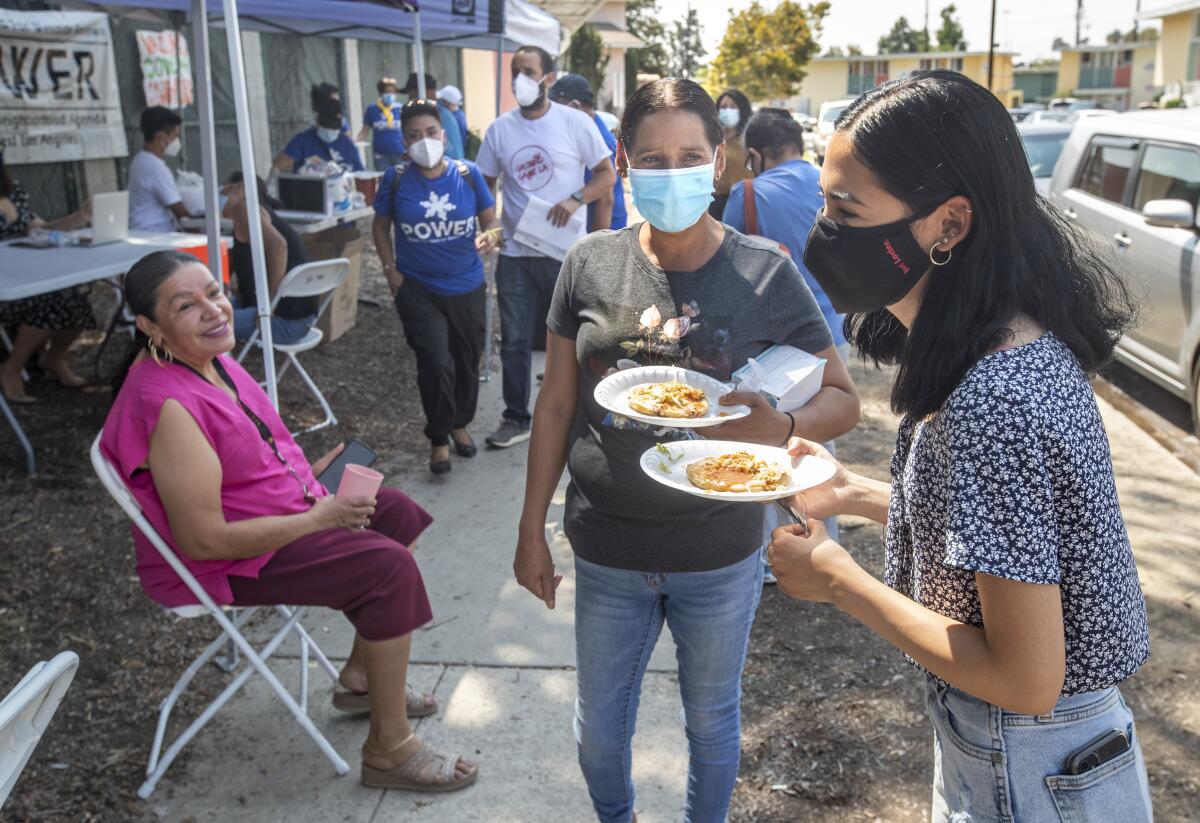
(460, 23)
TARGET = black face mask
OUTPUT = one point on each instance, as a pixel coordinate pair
(864, 269)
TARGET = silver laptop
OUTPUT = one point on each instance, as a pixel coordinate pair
(110, 218)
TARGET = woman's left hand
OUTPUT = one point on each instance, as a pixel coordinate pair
(322, 464)
(763, 425)
(807, 567)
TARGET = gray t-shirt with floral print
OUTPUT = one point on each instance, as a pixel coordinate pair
(618, 306)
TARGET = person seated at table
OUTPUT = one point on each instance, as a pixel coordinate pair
(454, 138)
(57, 317)
(381, 123)
(154, 200)
(294, 316)
(436, 276)
(323, 141)
(215, 471)
(323, 91)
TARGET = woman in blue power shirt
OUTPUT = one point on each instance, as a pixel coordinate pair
(444, 217)
(382, 122)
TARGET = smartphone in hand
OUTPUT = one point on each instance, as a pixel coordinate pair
(355, 452)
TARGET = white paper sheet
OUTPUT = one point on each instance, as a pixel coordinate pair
(537, 232)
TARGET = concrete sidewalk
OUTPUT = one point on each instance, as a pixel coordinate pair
(500, 663)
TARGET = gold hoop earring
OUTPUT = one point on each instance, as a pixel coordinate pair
(949, 253)
(157, 353)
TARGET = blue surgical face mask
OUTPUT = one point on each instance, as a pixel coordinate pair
(729, 117)
(389, 99)
(672, 199)
(327, 135)
(222, 199)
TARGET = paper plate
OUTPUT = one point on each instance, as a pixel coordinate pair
(804, 473)
(613, 394)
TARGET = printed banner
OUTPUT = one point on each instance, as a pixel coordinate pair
(58, 88)
(165, 81)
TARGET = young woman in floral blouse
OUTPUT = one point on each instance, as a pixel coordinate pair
(1010, 581)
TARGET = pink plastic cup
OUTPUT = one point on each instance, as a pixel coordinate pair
(359, 481)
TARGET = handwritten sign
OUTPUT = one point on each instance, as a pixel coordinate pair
(166, 75)
(58, 88)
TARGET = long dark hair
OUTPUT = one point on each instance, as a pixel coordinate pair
(743, 106)
(7, 186)
(664, 95)
(264, 196)
(141, 295)
(936, 134)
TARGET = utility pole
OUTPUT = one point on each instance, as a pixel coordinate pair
(1078, 21)
(1137, 10)
(992, 45)
(928, 44)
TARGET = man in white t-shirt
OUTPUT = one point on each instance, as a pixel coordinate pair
(540, 149)
(154, 200)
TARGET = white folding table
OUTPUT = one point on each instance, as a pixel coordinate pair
(26, 272)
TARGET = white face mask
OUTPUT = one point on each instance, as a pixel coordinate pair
(173, 148)
(426, 153)
(526, 90)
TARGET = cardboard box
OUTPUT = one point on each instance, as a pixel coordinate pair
(789, 377)
(339, 241)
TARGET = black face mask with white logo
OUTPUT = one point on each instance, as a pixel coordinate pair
(864, 269)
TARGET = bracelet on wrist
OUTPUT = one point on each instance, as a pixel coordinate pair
(791, 429)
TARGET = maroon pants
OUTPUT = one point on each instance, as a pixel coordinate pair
(370, 575)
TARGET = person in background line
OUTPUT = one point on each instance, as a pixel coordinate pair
(323, 91)
(451, 98)
(733, 107)
(444, 216)
(786, 201)
(542, 149)
(454, 141)
(154, 200)
(216, 472)
(56, 318)
(323, 141)
(1010, 581)
(679, 289)
(294, 316)
(574, 90)
(382, 123)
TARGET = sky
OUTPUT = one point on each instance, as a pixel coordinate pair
(1024, 26)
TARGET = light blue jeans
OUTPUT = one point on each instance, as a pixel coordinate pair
(618, 617)
(991, 765)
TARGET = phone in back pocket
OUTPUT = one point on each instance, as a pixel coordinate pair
(355, 452)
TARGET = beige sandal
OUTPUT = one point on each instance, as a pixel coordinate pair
(428, 770)
(417, 704)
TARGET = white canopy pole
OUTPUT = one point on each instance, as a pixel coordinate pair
(419, 55)
(237, 71)
(208, 143)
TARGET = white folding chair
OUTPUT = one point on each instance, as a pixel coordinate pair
(26, 711)
(307, 280)
(230, 631)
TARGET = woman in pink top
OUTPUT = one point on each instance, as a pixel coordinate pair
(220, 478)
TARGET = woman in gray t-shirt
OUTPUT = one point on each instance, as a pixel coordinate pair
(679, 289)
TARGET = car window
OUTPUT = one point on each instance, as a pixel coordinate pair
(1168, 173)
(1043, 151)
(831, 114)
(1106, 170)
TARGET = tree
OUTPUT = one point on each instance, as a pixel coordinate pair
(686, 50)
(764, 53)
(950, 33)
(835, 51)
(585, 56)
(903, 39)
(643, 21)
(854, 50)
(1113, 37)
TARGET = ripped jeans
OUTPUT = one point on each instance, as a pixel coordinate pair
(991, 765)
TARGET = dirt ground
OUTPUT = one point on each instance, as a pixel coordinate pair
(834, 723)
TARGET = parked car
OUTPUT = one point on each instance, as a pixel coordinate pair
(1020, 113)
(827, 114)
(1084, 114)
(1134, 182)
(1072, 104)
(1048, 116)
(1043, 144)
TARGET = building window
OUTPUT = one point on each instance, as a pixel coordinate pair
(956, 64)
(1193, 71)
(865, 75)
